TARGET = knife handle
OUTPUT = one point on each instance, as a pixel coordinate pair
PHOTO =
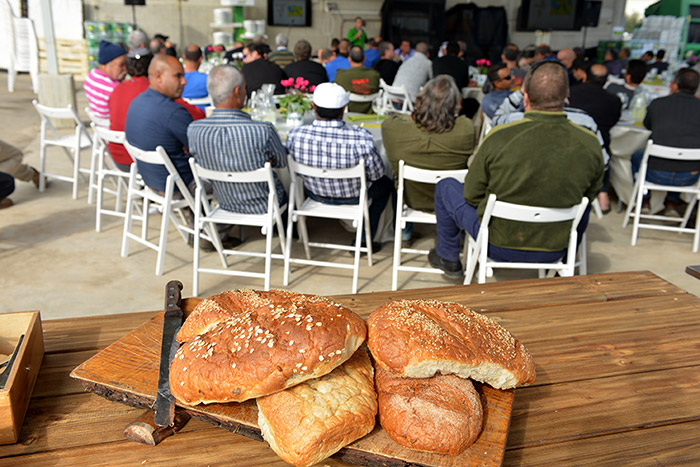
(145, 431)
(173, 296)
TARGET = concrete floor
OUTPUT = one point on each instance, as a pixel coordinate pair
(53, 260)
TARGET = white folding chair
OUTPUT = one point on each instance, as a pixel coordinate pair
(405, 214)
(166, 203)
(18, 39)
(364, 97)
(486, 126)
(205, 101)
(71, 144)
(395, 93)
(106, 168)
(642, 186)
(477, 250)
(217, 215)
(300, 208)
(96, 149)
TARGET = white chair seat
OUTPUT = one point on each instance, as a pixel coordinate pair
(68, 141)
(421, 217)
(314, 208)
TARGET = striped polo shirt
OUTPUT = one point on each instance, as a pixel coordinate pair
(98, 87)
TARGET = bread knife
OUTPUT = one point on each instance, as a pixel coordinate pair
(172, 321)
(5, 375)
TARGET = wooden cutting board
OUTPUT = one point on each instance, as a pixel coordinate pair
(127, 371)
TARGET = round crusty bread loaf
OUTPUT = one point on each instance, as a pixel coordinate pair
(419, 338)
(264, 350)
(222, 307)
(440, 414)
(314, 419)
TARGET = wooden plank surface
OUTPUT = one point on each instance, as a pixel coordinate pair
(668, 445)
(128, 370)
(616, 381)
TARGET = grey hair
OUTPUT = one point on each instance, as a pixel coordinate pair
(437, 105)
(136, 38)
(281, 40)
(222, 80)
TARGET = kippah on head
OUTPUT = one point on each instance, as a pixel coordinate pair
(109, 52)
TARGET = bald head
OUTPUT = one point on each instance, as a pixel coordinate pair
(422, 47)
(546, 86)
(597, 74)
(166, 76)
(567, 57)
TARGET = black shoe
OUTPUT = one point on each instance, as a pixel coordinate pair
(452, 269)
(230, 242)
(207, 246)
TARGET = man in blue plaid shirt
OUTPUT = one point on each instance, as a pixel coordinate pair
(329, 143)
(230, 141)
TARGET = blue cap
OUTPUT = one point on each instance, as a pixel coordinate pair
(109, 52)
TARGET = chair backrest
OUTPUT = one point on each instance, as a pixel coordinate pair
(357, 171)
(198, 100)
(67, 113)
(108, 136)
(408, 172)
(160, 157)
(668, 152)
(394, 92)
(532, 214)
(102, 122)
(364, 97)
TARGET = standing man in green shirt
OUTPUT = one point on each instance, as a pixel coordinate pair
(542, 160)
(358, 80)
(357, 35)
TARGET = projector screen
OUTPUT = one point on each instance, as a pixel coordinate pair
(549, 15)
(289, 12)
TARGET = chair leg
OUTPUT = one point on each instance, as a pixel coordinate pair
(368, 236)
(288, 248)
(128, 219)
(304, 234)
(268, 254)
(91, 179)
(583, 256)
(632, 205)
(163, 240)
(76, 171)
(195, 265)
(637, 214)
(98, 209)
(472, 255)
(356, 262)
(696, 239)
(42, 167)
(397, 255)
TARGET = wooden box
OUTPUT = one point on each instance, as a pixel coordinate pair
(14, 397)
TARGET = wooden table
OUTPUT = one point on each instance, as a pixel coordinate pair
(618, 381)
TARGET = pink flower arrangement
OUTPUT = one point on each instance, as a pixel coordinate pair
(483, 65)
(300, 84)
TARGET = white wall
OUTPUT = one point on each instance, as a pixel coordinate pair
(164, 16)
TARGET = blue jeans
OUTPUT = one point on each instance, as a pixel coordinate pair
(378, 195)
(663, 177)
(454, 213)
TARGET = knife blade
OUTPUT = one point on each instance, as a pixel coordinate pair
(5, 375)
(172, 321)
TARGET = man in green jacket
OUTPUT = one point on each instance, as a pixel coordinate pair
(542, 160)
(358, 80)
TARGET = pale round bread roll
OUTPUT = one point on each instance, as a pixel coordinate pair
(440, 414)
(315, 419)
(263, 350)
(419, 338)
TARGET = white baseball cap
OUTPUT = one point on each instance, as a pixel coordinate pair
(331, 96)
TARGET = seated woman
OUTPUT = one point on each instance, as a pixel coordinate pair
(433, 137)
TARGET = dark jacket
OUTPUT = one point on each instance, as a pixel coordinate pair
(387, 70)
(453, 66)
(673, 121)
(262, 72)
(309, 70)
(603, 107)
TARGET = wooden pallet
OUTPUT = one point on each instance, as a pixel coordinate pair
(72, 57)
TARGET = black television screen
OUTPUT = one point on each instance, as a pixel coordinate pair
(289, 12)
(549, 15)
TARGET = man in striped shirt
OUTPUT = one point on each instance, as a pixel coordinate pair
(229, 140)
(101, 81)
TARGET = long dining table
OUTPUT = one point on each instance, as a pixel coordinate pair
(618, 380)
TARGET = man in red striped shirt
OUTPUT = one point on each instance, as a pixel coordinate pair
(101, 81)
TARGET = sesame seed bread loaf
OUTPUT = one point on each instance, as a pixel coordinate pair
(419, 338)
(441, 414)
(222, 307)
(263, 350)
(316, 418)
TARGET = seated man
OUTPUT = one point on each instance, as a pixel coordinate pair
(386, 66)
(338, 60)
(328, 142)
(303, 66)
(196, 86)
(634, 75)
(541, 160)
(358, 80)
(415, 72)
(258, 70)
(452, 64)
(281, 56)
(155, 119)
(101, 81)
(673, 121)
(501, 79)
(229, 140)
